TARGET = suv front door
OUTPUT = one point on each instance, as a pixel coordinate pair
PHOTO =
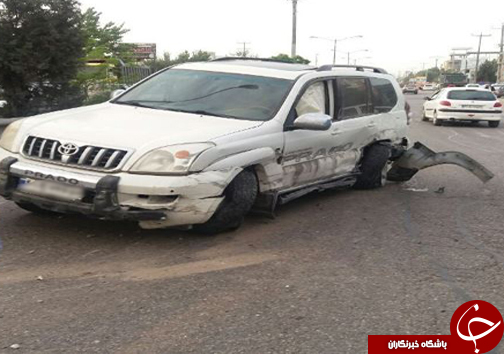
(312, 156)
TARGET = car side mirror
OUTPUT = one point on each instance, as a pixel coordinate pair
(427, 98)
(116, 93)
(313, 121)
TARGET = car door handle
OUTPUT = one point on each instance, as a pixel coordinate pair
(371, 125)
(336, 131)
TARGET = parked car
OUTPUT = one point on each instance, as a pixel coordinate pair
(410, 88)
(463, 104)
(498, 90)
(3, 103)
(200, 144)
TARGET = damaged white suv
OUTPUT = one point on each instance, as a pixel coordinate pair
(201, 144)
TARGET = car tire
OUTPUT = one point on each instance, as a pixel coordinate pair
(374, 167)
(436, 121)
(416, 92)
(239, 197)
(494, 124)
(32, 208)
(424, 116)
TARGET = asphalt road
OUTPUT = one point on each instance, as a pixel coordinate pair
(331, 269)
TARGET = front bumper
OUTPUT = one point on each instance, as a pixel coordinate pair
(154, 201)
(446, 114)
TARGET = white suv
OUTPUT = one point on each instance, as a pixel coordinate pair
(201, 144)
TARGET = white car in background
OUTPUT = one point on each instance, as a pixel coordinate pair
(463, 104)
(3, 103)
(429, 87)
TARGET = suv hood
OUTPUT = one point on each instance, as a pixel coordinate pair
(131, 127)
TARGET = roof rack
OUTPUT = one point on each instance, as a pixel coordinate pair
(356, 67)
(256, 59)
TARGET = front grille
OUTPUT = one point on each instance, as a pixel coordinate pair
(94, 157)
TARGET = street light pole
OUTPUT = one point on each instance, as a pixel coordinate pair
(334, 56)
(294, 28)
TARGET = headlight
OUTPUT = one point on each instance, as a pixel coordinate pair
(176, 159)
(9, 135)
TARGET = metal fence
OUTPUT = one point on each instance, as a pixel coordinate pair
(133, 74)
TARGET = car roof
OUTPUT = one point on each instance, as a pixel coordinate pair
(252, 67)
(271, 68)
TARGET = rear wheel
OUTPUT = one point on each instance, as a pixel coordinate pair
(493, 124)
(239, 197)
(374, 167)
(436, 121)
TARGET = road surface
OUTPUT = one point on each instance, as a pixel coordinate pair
(331, 269)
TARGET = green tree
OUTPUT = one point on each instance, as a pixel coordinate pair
(487, 72)
(103, 41)
(184, 57)
(40, 46)
(104, 48)
(286, 58)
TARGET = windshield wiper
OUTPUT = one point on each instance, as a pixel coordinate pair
(134, 103)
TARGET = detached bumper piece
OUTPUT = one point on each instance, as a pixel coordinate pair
(103, 205)
(420, 156)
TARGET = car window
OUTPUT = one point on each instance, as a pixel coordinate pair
(383, 95)
(314, 100)
(471, 95)
(211, 93)
(353, 98)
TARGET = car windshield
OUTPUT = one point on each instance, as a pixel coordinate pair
(471, 95)
(211, 93)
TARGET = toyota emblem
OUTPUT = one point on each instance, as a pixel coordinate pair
(68, 149)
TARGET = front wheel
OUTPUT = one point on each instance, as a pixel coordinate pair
(493, 124)
(374, 167)
(424, 116)
(239, 197)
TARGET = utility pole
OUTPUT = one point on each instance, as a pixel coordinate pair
(335, 44)
(500, 72)
(294, 28)
(481, 35)
(244, 52)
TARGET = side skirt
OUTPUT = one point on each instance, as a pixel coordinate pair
(267, 202)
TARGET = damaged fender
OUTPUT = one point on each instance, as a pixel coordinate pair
(420, 156)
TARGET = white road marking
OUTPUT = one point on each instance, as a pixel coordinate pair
(455, 134)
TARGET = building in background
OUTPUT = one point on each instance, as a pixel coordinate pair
(454, 65)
